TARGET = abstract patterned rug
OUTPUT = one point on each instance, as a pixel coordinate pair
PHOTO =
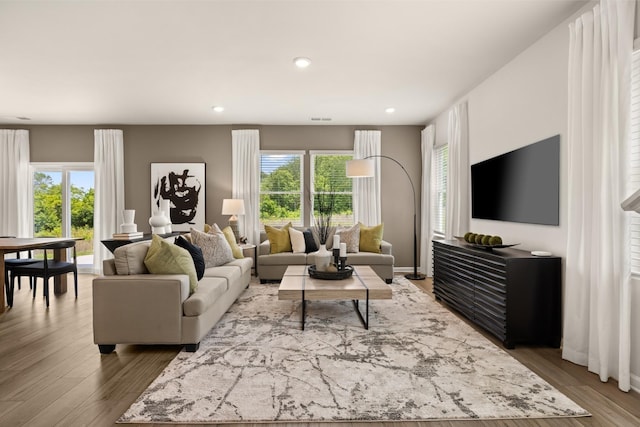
(417, 361)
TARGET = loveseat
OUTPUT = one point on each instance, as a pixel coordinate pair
(271, 266)
(132, 306)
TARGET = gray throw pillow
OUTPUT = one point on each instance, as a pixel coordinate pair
(215, 248)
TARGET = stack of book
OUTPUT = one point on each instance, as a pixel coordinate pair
(128, 236)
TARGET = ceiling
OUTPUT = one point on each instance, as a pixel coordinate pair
(169, 62)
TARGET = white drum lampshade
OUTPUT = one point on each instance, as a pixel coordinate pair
(233, 207)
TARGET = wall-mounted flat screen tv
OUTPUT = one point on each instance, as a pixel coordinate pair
(519, 186)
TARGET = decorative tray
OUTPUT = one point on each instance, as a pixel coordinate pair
(475, 245)
(331, 275)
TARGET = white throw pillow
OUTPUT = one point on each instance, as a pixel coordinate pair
(297, 241)
(215, 248)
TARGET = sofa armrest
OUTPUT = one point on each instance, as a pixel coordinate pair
(264, 248)
(385, 247)
(140, 308)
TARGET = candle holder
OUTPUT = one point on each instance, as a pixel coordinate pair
(343, 263)
(336, 258)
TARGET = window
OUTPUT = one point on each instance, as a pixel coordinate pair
(633, 181)
(440, 162)
(63, 198)
(330, 185)
(281, 175)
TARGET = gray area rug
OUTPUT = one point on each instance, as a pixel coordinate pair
(417, 361)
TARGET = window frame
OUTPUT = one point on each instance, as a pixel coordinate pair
(439, 187)
(65, 168)
(312, 156)
(301, 154)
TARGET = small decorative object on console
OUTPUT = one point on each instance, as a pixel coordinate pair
(484, 241)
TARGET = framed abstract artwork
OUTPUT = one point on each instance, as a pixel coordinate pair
(183, 185)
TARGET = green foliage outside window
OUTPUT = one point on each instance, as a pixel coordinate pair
(47, 211)
(281, 188)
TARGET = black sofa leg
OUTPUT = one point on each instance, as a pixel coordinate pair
(192, 348)
(389, 281)
(106, 348)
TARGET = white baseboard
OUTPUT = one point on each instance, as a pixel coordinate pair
(635, 383)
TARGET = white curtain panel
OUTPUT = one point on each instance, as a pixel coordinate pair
(245, 155)
(108, 163)
(15, 187)
(457, 215)
(428, 136)
(366, 191)
(597, 287)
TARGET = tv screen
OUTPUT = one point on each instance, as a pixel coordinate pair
(519, 186)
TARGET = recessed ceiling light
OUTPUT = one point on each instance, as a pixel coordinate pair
(302, 62)
(218, 109)
(389, 110)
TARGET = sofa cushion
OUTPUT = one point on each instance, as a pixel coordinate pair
(285, 258)
(210, 289)
(215, 248)
(350, 236)
(371, 238)
(195, 252)
(244, 264)
(129, 259)
(166, 258)
(309, 241)
(297, 241)
(369, 258)
(229, 272)
(279, 238)
(231, 239)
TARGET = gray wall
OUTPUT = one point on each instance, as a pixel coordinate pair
(212, 145)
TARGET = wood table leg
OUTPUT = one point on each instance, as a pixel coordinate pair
(60, 282)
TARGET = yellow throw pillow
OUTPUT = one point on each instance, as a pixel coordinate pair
(231, 238)
(166, 258)
(279, 238)
(371, 238)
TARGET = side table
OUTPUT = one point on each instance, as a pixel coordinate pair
(246, 251)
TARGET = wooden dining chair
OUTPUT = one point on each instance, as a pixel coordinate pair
(10, 263)
(47, 268)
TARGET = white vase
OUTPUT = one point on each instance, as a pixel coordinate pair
(323, 258)
(128, 215)
(128, 226)
(158, 222)
(166, 210)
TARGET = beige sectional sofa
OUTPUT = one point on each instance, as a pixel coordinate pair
(132, 306)
(271, 267)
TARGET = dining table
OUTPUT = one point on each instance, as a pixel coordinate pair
(18, 244)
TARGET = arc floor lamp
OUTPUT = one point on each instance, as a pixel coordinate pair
(365, 168)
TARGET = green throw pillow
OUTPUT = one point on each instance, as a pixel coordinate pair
(167, 258)
(279, 238)
(371, 238)
(231, 238)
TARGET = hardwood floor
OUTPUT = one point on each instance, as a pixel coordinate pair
(51, 373)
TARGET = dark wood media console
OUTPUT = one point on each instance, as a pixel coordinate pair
(509, 292)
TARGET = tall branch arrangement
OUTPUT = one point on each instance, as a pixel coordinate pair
(324, 205)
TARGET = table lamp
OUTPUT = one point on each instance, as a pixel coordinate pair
(233, 207)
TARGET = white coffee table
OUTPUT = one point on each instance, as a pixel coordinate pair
(364, 284)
